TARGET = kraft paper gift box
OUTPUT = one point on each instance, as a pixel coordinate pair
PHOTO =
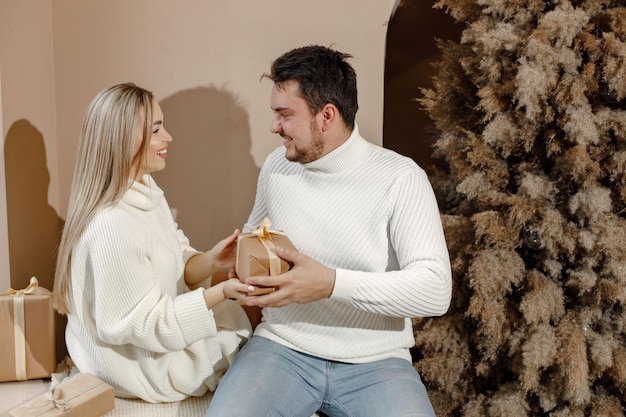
(256, 256)
(83, 395)
(27, 333)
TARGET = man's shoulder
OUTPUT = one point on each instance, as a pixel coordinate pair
(392, 159)
(277, 154)
(276, 160)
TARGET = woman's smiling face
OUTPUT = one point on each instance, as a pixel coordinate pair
(156, 152)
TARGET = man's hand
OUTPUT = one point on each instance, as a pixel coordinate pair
(306, 281)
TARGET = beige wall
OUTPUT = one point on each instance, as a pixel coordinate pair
(203, 60)
(4, 237)
(29, 173)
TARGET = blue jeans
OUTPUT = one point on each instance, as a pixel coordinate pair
(267, 379)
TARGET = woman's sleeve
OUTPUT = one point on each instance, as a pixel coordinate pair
(130, 306)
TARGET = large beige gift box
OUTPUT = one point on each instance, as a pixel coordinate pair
(27, 333)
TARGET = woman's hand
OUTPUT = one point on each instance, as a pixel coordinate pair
(230, 289)
(224, 252)
(201, 266)
(234, 289)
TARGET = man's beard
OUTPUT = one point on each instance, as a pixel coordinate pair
(314, 151)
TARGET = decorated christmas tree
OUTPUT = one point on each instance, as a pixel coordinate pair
(529, 109)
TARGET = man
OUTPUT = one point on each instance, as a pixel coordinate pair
(336, 333)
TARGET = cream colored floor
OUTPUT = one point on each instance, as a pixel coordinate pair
(13, 394)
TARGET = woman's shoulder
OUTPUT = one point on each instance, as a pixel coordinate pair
(115, 213)
(113, 220)
(112, 230)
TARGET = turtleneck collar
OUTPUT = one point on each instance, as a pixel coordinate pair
(143, 195)
(346, 155)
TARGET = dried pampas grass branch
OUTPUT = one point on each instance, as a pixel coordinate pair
(530, 115)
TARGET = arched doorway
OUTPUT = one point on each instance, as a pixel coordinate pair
(410, 54)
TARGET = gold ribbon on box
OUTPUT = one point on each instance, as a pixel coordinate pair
(263, 233)
(18, 323)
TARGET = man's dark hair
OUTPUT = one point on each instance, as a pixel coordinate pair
(324, 77)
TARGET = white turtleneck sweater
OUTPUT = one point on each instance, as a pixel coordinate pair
(370, 214)
(132, 323)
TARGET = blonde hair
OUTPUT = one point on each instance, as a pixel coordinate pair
(106, 156)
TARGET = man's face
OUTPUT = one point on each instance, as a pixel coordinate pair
(294, 122)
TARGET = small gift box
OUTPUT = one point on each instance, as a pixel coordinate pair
(27, 333)
(83, 395)
(256, 256)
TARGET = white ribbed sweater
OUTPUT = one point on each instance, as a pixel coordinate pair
(132, 323)
(371, 214)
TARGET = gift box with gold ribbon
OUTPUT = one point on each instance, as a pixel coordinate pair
(27, 333)
(82, 395)
(256, 256)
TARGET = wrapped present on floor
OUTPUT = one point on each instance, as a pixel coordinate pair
(82, 395)
(27, 333)
(256, 256)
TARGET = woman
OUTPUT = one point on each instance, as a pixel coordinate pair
(125, 272)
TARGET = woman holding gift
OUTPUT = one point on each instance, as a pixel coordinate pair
(126, 273)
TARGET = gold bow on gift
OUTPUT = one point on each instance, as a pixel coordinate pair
(262, 232)
(54, 396)
(18, 323)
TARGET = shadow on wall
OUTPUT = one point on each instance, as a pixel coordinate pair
(34, 226)
(210, 178)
